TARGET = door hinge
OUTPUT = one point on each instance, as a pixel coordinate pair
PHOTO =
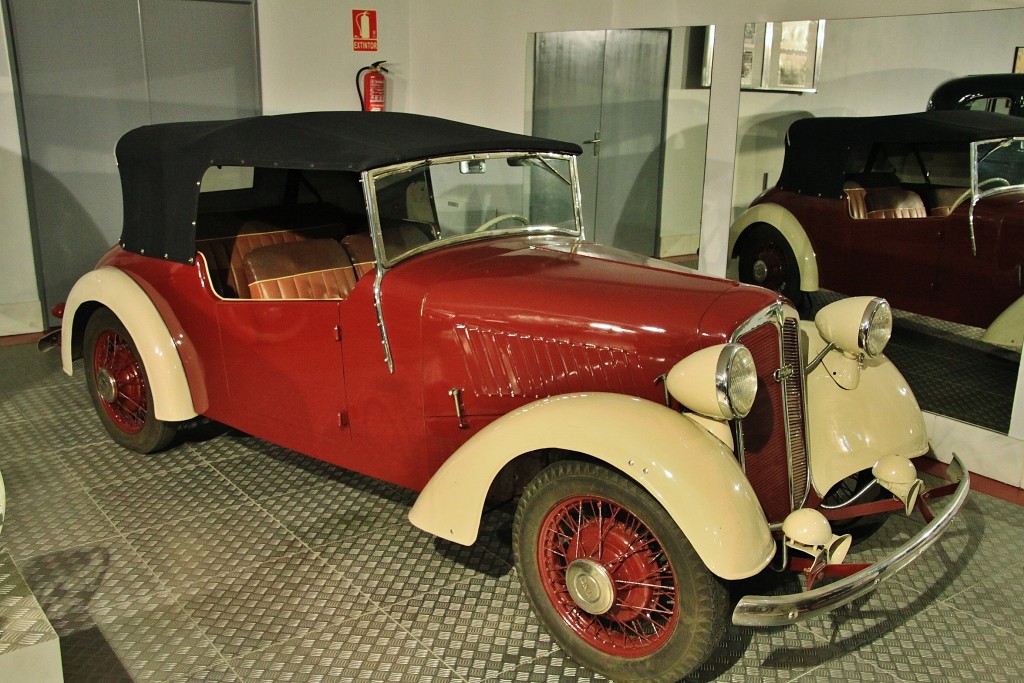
(337, 333)
(342, 420)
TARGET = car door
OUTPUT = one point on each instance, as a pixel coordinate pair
(897, 258)
(979, 284)
(283, 368)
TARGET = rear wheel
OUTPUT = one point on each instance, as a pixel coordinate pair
(612, 577)
(119, 387)
(767, 260)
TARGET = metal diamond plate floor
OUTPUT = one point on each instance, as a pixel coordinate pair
(229, 559)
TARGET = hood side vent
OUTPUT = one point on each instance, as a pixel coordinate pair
(506, 364)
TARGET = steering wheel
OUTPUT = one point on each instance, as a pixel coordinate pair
(487, 225)
(998, 182)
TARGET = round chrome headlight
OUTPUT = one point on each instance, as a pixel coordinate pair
(736, 381)
(719, 381)
(875, 327)
(860, 324)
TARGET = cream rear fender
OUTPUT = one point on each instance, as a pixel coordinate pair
(787, 224)
(851, 428)
(692, 474)
(114, 289)
(1008, 329)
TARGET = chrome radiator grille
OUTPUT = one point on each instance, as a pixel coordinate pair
(772, 438)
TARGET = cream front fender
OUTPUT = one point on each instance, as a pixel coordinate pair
(787, 224)
(693, 475)
(1008, 329)
(114, 289)
(850, 429)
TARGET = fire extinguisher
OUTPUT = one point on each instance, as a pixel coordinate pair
(372, 86)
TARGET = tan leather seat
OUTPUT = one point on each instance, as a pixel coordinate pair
(895, 202)
(880, 195)
(307, 269)
(225, 256)
(360, 249)
(857, 199)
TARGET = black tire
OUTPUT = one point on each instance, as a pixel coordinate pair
(656, 630)
(767, 260)
(119, 387)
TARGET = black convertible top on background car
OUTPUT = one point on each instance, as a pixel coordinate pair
(161, 165)
(818, 150)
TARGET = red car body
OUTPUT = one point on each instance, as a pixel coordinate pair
(466, 316)
(413, 299)
(924, 265)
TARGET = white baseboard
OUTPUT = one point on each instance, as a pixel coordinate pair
(24, 317)
(990, 454)
(679, 245)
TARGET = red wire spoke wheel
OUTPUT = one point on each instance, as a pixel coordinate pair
(612, 577)
(119, 387)
(119, 382)
(607, 575)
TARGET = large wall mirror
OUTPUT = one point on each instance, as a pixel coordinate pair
(635, 100)
(898, 200)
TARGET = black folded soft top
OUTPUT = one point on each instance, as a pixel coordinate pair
(818, 150)
(161, 165)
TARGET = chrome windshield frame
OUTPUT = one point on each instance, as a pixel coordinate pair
(384, 264)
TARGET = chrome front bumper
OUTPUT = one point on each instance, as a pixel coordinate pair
(765, 610)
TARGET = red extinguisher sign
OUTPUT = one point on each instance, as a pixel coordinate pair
(364, 30)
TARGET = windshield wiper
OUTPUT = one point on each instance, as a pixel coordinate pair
(551, 168)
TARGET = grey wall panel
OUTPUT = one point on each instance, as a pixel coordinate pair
(200, 59)
(82, 83)
(90, 70)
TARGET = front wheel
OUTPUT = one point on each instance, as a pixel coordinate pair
(767, 260)
(612, 577)
(119, 387)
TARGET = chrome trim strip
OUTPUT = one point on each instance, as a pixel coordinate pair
(805, 418)
(775, 315)
(373, 217)
(771, 314)
(765, 610)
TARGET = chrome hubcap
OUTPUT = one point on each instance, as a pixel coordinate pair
(760, 270)
(590, 586)
(106, 385)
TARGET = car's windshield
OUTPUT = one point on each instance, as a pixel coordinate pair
(997, 163)
(457, 198)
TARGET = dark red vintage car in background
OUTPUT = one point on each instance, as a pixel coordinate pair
(413, 299)
(925, 209)
(998, 93)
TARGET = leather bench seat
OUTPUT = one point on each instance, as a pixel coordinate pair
(880, 195)
(225, 256)
(305, 269)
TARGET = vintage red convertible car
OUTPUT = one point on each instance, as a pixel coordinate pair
(924, 209)
(412, 298)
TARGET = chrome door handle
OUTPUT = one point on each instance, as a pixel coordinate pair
(596, 142)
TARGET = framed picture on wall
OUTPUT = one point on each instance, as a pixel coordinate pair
(792, 55)
(1018, 61)
(781, 56)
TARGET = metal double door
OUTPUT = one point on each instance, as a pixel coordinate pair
(607, 90)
